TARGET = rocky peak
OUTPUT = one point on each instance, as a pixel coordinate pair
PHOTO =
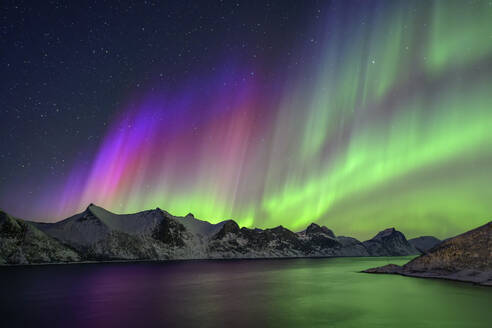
(389, 242)
(386, 233)
(160, 210)
(228, 227)
(278, 229)
(90, 210)
(313, 228)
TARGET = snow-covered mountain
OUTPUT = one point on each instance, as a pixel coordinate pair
(97, 234)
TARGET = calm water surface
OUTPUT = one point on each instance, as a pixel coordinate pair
(255, 293)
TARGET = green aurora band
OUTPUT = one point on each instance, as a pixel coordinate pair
(386, 122)
(410, 113)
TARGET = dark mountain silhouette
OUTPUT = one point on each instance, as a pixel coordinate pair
(424, 243)
(466, 257)
(389, 242)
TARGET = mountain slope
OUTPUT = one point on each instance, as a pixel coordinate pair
(466, 257)
(22, 243)
(471, 250)
(97, 234)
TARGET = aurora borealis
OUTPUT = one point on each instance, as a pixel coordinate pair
(374, 114)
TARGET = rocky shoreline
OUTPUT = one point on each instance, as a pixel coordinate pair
(466, 257)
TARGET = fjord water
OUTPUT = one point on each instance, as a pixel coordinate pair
(242, 293)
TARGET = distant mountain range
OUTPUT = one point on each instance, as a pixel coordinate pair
(99, 235)
(466, 257)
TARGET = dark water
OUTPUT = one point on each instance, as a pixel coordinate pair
(256, 293)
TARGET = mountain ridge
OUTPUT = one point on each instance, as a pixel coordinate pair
(97, 234)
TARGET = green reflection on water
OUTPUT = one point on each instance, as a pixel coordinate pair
(334, 293)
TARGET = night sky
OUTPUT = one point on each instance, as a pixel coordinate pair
(358, 115)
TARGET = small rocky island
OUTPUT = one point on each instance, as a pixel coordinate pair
(466, 257)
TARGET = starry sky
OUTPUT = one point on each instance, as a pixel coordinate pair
(359, 115)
